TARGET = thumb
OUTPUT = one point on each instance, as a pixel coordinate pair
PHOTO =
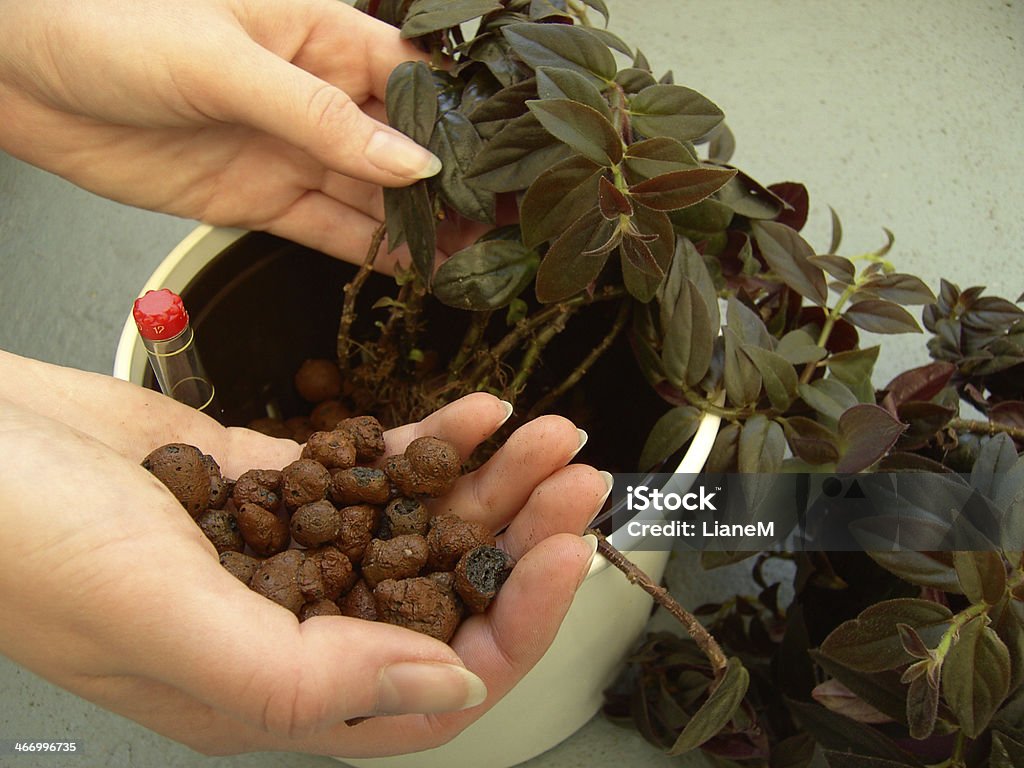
(262, 90)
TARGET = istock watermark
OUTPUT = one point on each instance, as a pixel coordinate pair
(904, 511)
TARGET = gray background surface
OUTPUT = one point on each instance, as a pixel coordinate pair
(907, 115)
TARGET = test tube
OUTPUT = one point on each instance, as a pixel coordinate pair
(170, 344)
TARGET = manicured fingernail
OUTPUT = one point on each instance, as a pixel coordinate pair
(591, 541)
(609, 481)
(411, 686)
(508, 411)
(583, 441)
(401, 156)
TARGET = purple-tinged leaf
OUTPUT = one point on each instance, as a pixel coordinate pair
(741, 377)
(837, 232)
(611, 200)
(582, 128)
(797, 202)
(829, 397)
(921, 383)
(922, 707)
(674, 111)
(976, 676)
(486, 275)
(836, 697)
(634, 79)
(554, 83)
(777, 374)
(715, 713)
(866, 434)
(456, 143)
(854, 368)
(568, 268)
(798, 347)
(788, 255)
(679, 189)
(562, 46)
(982, 575)
(654, 230)
(656, 157)
(558, 196)
(513, 159)
(426, 16)
(689, 338)
(810, 441)
(900, 288)
(669, 434)
(991, 313)
(748, 198)
(880, 316)
(411, 101)
(925, 569)
(839, 267)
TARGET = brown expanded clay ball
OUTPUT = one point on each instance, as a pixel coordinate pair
(181, 468)
(450, 537)
(359, 485)
(397, 558)
(277, 578)
(264, 531)
(402, 516)
(420, 604)
(358, 524)
(220, 489)
(359, 602)
(335, 450)
(299, 428)
(480, 574)
(318, 380)
(258, 486)
(326, 416)
(221, 528)
(319, 608)
(334, 570)
(303, 482)
(429, 467)
(239, 565)
(367, 436)
(315, 523)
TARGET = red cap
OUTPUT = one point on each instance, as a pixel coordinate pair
(160, 315)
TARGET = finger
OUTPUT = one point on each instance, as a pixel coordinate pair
(564, 503)
(495, 492)
(465, 423)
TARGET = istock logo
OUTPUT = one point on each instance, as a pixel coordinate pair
(640, 498)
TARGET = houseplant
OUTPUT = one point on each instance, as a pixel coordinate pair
(737, 239)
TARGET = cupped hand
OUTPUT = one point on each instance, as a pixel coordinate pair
(250, 113)
(111, 591)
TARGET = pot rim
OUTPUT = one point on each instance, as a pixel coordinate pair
(692, 461)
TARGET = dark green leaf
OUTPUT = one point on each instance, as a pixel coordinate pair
(780, 381)
(546, 9)
(750, 199)
(866, 433)
(456, 143)
(811, 441)
(565, 47)
(922, 707)
(612, 40)
(900, 288)
(419, 227)
(600, 7)
(715, 713)
(670, 433)
(655, 157)
(837, 232)
(761, 449)
(704, 220)
(427, 16)
(991, 313)
(689, 338)
(854, 368)
(393, 217)
(721, 145)
(495, 53)
(611, 200)
(793, 752)
(996, 458)
(835, 732)
(411, 101)
(687, 263)
(581, 127)
(880, 316)
(490, 115)
(747, 324)
(882, 690)
(840, 268)
(798, 347)
(634, 79)
(725, 451)
(555, 83)
(520, 152)
(976, 676)
(829, 397)
(486, 275)
(1006, 752)
(788, 255)
(982, 575)
(568, 268)
(559, 195)
(836, 697)
(926, 569)
(871, 642)
(674, 111)
(742, 379)
(679, 189)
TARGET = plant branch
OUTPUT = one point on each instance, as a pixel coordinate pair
(573, 378)
(352, 288)
(707, 644)
(831, 316)
(470, 340)
(990, 428)
(536, 347)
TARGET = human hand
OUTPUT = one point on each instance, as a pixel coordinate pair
(111, 591)
(259, 114)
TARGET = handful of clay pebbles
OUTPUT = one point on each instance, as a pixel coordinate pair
(332, 534)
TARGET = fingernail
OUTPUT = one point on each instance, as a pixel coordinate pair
(424, 687)
(508, 412)
(583, 441)
(591, 541)
(401, 156)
